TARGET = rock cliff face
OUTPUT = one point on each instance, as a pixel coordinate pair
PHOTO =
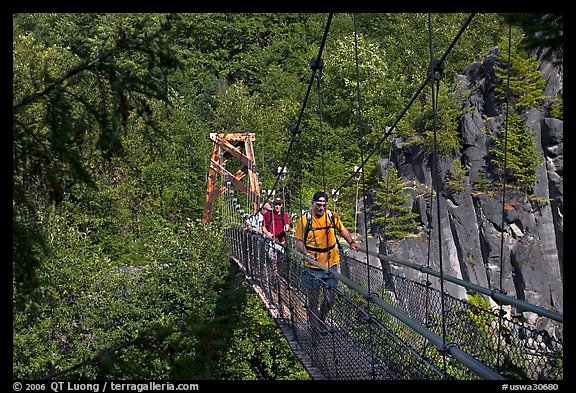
(524, 257)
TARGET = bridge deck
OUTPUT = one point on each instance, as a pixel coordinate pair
(334, 350)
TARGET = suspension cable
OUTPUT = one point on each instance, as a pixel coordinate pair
(319, 65)
(436, 182)
(296, 129)
(361, 138)
(298, 165)
(504, 176)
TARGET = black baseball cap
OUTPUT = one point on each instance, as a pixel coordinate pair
(318, 195)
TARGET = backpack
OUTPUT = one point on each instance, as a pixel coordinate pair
(283, 216)
(309, 226)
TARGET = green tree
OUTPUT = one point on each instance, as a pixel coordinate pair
(519, 146)
(111, 117)
(542, 32)
(390, 211)
(81, 83)
(418, 125)
(520, 82)
(520, 85)
(258, 350)
(130, 313)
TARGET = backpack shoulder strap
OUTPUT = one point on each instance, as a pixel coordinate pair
(268, 218)
(308, 225)
(331, 215)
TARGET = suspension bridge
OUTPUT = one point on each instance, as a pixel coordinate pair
(383, 326)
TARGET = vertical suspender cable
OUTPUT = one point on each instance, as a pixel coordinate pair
(328, 224)
(317, 65)
(436, 183)
(504, 176)
(322, 152)
(296, 129)
(361, 138)
(430, 231)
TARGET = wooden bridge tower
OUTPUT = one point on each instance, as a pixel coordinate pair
(226, 146)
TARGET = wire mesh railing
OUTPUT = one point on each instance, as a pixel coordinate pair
(360, 338)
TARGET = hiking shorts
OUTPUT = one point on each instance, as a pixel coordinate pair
(313, 278)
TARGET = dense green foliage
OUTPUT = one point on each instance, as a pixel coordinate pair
(113, 274)
(83, 84)
(92, 305)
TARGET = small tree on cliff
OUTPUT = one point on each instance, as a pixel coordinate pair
(390, 212)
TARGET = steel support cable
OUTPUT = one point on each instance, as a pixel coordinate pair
(304, 103)
(386, 200)
(297, 127)
(414, 97)
(298, 178)
(390, 130)
(317, 72)
(322, 148)
(295, 135)
(318, 67)
(429, 211)
(504, 176)
(436, 184)
(249, 195)
(232, 207)
(361, 138)
(235, 206)
(225, 215)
